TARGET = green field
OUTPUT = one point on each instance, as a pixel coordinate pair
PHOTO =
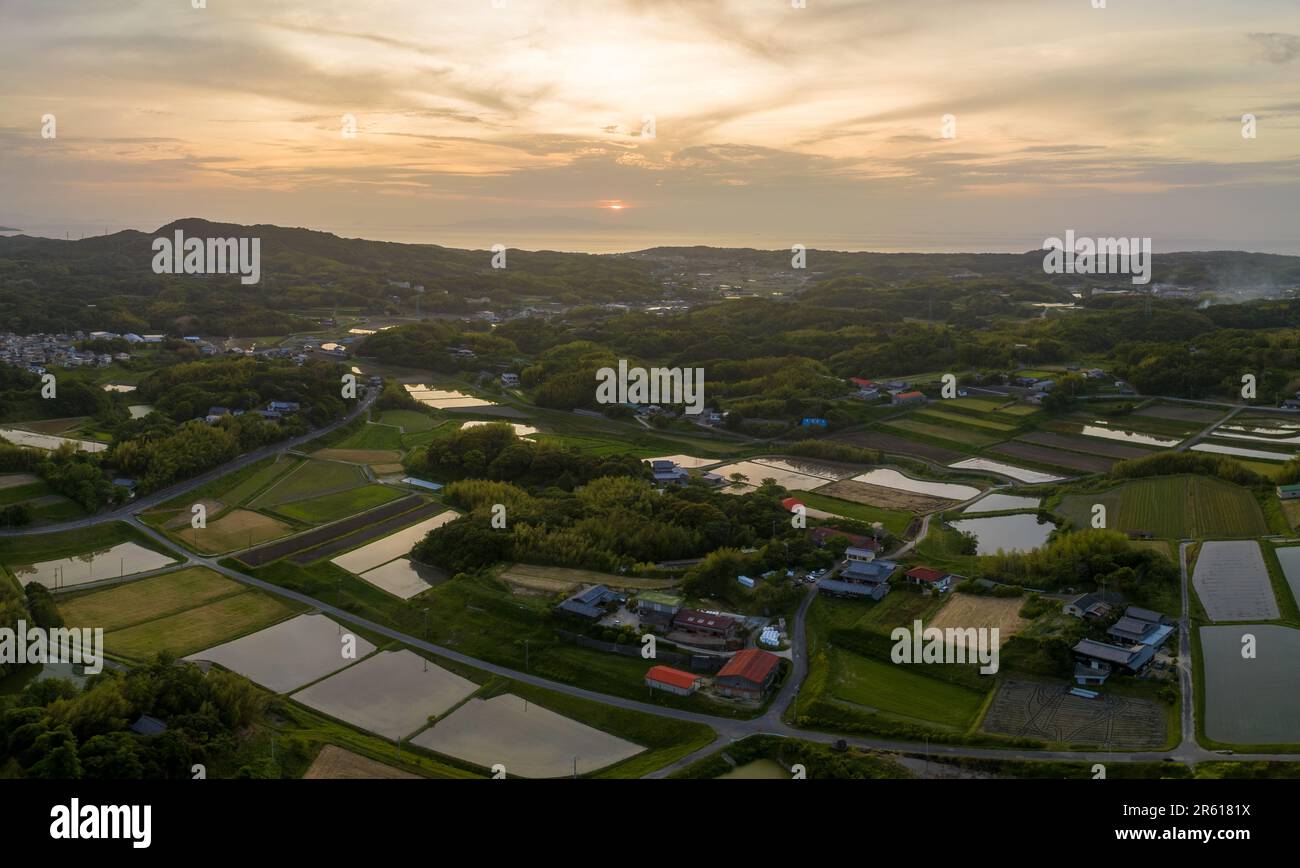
(961, 419)
(330, 507)
(373, 436)
(958, 436)
(312, 478)
(201, 627)
(894, 520)
(979, 405)
(144, 600)
(901, 689)
(253, 484)
(1172, 507)
(411, 421)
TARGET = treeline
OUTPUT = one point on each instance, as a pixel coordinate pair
(186, 391)
(54, 729)
(610, 524)
(494, 452)
(1198, 463)
(1084, 559)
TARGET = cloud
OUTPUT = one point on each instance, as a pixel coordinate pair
(1276, 47)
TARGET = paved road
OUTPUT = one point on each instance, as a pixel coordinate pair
(149, 501)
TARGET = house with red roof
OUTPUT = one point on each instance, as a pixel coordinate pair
(672, 680)
(748, 674)
(926, 577)
(789, 503)
(912, 397)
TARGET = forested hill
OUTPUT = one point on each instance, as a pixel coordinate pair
(49, 285)
(107, 282)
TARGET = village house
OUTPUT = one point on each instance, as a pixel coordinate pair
(912, 397)
(672, 680)
(1096, 661)
(667, 472)
(936, 580)
(1140, 626)
(748, 674)
(657, 608)
(691, 621)
(591, 603)
(1091, 606)
(860, 575)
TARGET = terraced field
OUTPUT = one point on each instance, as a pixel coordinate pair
(1172, 507)
(947, 433)
(963, 419)
(1054, 457)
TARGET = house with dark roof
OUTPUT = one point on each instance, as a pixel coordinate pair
(590, 603)
(692, 621)
(147, 725)
(1092, 606)
(672, 680)
(1096, 661)
(668, 472)
(748, 674)
(1142, 627)
(861, 575)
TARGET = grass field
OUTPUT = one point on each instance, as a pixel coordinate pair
(962, 419)
(144, 600)
(201, 627)
(893, 520)
(410, 421)
(950, 434)
(36, 548)
(310, 479)
(372, 436)
(900, 689)
(253, 484)
(331, 507)
(1172, 507)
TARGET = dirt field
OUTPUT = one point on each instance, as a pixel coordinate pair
(1049, 712)
(969, 610)
(360, 456)
(1181, 413)
(237, 529)
(887, 498)
(1087, 445)
(1055, 457)
(755, 473)
(336, 764)
(898, 445)
(183, 517)
(339, 535)
(13, 480)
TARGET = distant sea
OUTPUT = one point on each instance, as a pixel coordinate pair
(600, 239)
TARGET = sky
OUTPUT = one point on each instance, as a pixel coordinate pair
(620, 124)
